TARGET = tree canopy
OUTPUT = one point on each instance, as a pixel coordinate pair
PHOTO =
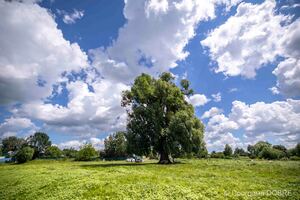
(227, 150)
(12, 143)
(115, 145)
(39, 141)
(87, 152)
(160, 119)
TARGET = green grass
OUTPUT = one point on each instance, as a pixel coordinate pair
(191, 179)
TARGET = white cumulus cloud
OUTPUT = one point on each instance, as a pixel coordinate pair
(197, 100)
(72, 17)
(277, 122)
(33, 54)
(254, 37)
(16, 125)
(154, 37)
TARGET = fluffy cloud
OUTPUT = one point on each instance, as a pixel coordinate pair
(211, 112)
(255, 36)
(76, 144)
(219, 143)
(33, 53)
(154, 37)
(197, 99)
(288, 71)
(288, 77)
(217, 97)
(14, 125)
(91, 109)
(247, 40)
(71, 18)
(278, 122)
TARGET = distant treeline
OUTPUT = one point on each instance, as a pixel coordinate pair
(116, 148)
(261, 150)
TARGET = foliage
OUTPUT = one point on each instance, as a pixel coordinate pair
(115, 146)
(295, 158)
(70, 153)
(12, 143)
(25, 154)
(298, 149)
(227, 150)
(160, 119)
(280, 147)
(86, 153)
(271, 153)
(294, 151)
(240, 152)
(53, 152)
(255, 150)
(39, 142)
(194, 179)
(217, 155)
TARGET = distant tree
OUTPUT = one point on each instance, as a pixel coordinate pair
(280, 147)
(255, 150)
(240, 152)
(25, 154)
(53, 152)
(185, 84)
(250, 150)
(297, 149)
(160, 118)
(70, 153)
(217, 154)
(87, 152)
(271, 153)
(12, 143)
(39, 142)
(115, 145)
(294, 151)
(227, 150)
(203, 153)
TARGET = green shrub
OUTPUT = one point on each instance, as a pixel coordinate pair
(70, 153)
(217, 155)
(295, 158)
(271, 153)
(227, 151)
(24, 155)
(53, 152)
(86, 153)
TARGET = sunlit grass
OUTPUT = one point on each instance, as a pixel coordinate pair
(190, 179)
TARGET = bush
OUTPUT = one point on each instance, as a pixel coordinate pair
(271, 153)
(115, 146)
(227, 150)
(70, 153)
(53, 152)
(295, 158)
(86, 153)
(217, 155)
(24, 155)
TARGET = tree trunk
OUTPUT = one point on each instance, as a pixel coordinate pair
(164, 158)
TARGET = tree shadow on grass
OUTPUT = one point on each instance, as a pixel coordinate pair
(106, 165)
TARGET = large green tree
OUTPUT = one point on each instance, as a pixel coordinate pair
(115, 145)
(160, 119)
(12, 143)
(39, 141)
(227, 150)
(53, 152)
(254, 150)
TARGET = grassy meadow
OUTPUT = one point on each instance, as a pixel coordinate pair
(189, 179)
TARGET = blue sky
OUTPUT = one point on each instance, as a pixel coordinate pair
(66, 63)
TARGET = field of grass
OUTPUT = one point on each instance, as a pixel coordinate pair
(190, 179)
